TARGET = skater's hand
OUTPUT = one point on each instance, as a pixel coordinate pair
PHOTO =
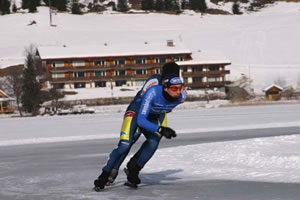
(167, 132)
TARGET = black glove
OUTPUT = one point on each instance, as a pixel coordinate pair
(167, 132)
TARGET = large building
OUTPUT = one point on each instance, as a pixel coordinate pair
(110, 65)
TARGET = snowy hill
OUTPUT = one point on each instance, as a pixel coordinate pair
(263, 45)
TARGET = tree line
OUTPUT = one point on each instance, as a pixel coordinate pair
(122, 5)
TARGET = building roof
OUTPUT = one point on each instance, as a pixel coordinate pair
(4, 96)
(206, 57)
(272, 85)
(112, 50)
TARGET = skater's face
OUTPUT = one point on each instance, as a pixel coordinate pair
(174, 90)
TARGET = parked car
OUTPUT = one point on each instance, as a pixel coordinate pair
(81, 109)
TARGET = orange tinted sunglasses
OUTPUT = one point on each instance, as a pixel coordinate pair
(175, 88)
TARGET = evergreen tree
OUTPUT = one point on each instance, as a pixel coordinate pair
(75, 7)
(32, 4)
(202, 6)
(198, 5)
(61, 5)
(122, 5)
(159, 5)
(4, 7)
(176, 6)
(184, 4)
(236, 8)
(14, 7)
(168, 4)
(31, 97)
(25, 4)
(147, 4)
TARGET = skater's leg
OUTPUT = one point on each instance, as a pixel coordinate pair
(126, 138)
(137, 134)
(143, 155)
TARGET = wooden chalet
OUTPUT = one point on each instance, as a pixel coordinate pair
(111, 65)
(273, 92)
(6, 103)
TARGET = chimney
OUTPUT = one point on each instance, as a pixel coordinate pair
(170, 43)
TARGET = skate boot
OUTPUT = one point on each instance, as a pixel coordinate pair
(112, 177)
(132, 172)
(101, 181)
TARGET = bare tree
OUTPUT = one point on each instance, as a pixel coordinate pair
(55, 95)
(14, 83)
(280, 81)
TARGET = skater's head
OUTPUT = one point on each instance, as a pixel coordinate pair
(172, 86)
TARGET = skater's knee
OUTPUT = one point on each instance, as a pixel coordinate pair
(123, 147)
(153, 143)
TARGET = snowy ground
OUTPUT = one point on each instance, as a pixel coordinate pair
(267, 159)
(263, 45)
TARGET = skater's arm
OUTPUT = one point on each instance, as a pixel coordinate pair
(144, 111)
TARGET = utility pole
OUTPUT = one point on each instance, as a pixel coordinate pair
(50, 12)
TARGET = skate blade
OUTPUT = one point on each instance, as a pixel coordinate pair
(131, 185)
(97, 189)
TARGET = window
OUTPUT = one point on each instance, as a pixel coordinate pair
(78, 74)
(213, 68)
(120, 72)
(78, 63)
(79, 85)
(175, 59)
(58, 64)
(141, 71)
(99, 62)
(197, 69)
(58, 75)
(197, 79)
(120, 83)
(100, 73)
(140, 61)
(120, 62)
(184, 69)
(158, 71)
(160, 60)
(100, 84)
(213, 79)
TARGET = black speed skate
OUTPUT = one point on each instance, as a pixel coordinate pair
(100, 182)
(128, 183)
(132, 172)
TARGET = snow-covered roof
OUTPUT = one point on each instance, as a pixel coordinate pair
(272, 85)
(112, 50)
(3, 94)
(206, 57)
(5, 97)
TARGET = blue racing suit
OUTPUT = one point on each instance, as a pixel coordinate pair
(145, 114)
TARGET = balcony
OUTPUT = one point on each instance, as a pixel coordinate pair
(207, 84)
(106, 67)
(205, 73)
(96, 78)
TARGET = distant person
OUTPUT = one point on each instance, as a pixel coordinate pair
(145, 114)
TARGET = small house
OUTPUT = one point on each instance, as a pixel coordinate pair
(6, 103)
(273, 92)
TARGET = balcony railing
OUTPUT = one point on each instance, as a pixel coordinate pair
(205, 73)
(106, 67)
(104, 78)
(207, 84)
